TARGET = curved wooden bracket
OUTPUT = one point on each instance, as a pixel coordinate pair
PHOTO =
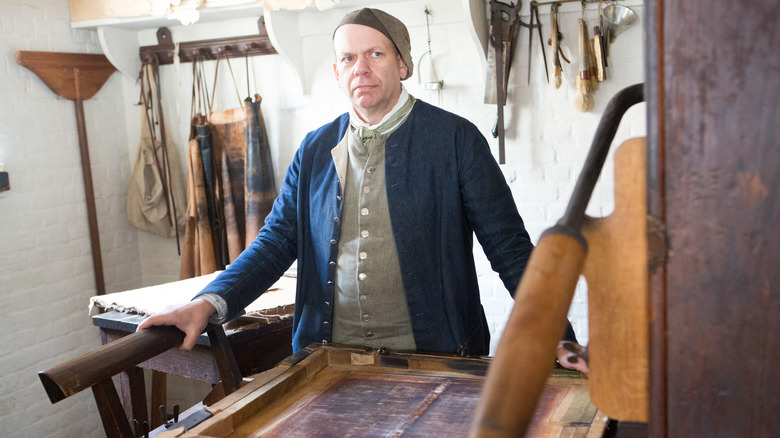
(74, 76)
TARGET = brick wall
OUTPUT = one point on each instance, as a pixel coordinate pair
(46, 274)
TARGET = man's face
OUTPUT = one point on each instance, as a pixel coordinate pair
(368, 70)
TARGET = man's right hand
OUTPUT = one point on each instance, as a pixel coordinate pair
(191, 318)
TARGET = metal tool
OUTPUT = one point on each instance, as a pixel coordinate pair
(504, 20)
(538, 26)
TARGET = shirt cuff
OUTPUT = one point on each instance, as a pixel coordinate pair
(219, 304)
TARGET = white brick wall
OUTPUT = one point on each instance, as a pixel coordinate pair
(45, 263)
(46, 274)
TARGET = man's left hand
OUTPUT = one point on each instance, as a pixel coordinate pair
(569, 359)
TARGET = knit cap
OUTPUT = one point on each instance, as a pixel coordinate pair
(389, 26)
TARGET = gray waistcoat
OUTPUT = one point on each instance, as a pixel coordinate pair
(370, 305)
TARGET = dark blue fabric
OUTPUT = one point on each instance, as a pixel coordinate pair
(443, 185)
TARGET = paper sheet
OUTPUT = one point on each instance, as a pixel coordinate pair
(153, 299)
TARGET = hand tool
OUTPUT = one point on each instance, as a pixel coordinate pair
(504, 28)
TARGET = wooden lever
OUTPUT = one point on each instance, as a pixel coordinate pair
(527, 348)
(526, 352)
(89, 369)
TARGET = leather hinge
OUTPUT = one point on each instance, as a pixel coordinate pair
(657, 244)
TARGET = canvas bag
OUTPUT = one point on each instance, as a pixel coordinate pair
(155, 198)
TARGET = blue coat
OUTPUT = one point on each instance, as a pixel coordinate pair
(442, 186)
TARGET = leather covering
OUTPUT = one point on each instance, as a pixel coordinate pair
(198, 257)
(260, 187)
(231, 188)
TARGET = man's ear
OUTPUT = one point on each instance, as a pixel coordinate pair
(335, 71)
(402, 67)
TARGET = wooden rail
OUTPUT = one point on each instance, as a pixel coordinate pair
(85, 371)
(95, 370)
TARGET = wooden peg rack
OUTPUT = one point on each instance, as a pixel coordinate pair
(232, 47)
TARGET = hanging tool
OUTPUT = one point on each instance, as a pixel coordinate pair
(431, 81)
(594, 81)
(538, 26)
(555, 41)
(504, 28)
(598, 51)
(583, 102)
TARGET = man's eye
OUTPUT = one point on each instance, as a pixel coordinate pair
(376, 54)
(347, 59)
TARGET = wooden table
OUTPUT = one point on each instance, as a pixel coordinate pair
(259, 339)
(256, 347)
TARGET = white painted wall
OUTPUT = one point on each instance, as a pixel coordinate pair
(45, 263)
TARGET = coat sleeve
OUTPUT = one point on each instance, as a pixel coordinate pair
(491, 209)
(267, 257)
(493, 214)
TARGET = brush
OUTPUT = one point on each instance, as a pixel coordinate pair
(583, 102)
(555, 43)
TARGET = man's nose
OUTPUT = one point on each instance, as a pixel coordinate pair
(361, 66)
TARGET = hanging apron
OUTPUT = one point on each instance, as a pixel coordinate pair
(260, 186)
(198, 257)
(234, 181)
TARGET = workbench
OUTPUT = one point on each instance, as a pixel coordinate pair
(259, 339)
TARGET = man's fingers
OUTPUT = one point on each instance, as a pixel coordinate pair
(189, 342)
(158, 319)
(191, 318)
(146, 323)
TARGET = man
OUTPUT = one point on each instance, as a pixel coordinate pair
(379, 208)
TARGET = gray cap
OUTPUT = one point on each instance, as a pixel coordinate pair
(389, 26)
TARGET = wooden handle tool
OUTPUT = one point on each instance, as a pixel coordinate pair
(583, 102)
(555, 43)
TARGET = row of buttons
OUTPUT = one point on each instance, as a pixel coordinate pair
(363, 255)
(336, 220)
